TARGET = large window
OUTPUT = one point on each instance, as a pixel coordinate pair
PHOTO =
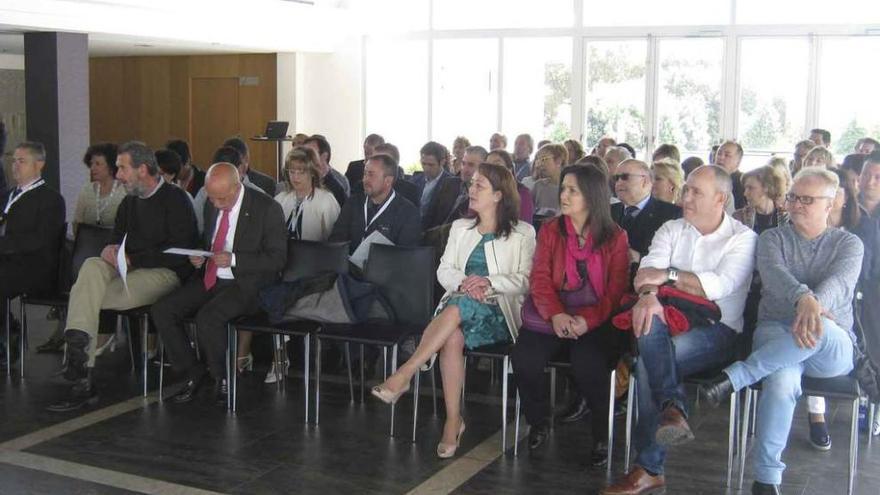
(615, 74)
(689, 94)
(848, 106)
(397, 96)
(807, 11)
(656, 13)
(465, 98)
(537, 88)
(487, 14)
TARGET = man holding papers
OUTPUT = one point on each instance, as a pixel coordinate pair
(378, 210)
(153, 216)
(245, 231)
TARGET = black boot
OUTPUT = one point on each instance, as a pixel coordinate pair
(717, 390)
(77, 354)
(576, 411)
(83, 393)
(759, 488)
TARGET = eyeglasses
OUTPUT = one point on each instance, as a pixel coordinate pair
(618, 177)
(804, 200)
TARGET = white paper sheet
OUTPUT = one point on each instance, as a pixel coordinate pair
(188, 252)
(122, 264)
(359, 257)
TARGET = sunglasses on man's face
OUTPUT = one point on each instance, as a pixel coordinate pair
(804, 200)
(625, 177)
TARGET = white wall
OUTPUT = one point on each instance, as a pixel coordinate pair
(329, 99)
(10, 61)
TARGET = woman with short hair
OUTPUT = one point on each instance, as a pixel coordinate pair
(668, 180)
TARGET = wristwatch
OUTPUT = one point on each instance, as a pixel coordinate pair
(672, 274)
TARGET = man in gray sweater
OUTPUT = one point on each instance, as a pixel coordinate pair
(809, 272)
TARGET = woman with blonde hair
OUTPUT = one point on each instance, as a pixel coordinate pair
(668, 180)
(819, 156)
(764, 189)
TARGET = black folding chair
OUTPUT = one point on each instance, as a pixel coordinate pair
(304, 258)
(405, 277)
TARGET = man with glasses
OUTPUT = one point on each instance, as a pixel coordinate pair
(707, 254)
(809, 272)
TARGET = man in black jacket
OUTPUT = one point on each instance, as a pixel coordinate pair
(261, 180)
(450, 201)
(31, 224)
(153, 217)
(378, 209)
(245, 231)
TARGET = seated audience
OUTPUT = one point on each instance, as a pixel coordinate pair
(821, 137)
(310, 211)
(666, 151)
(99, 198)
(800, 152)
(224, 154)
(403, 187)
(523, 147)
(261, 180)
(354, 174)
(248, 255)
(498, 141)
(690, 164)
(819, 156)
(603, 145)
(782, 168)
(729, 156)
(614, 155)
(526, 207)
(299, 139)
(458, 147)
(706, 254)
(190, 178)
(386, 212)
(169, 165)
(484, 269)
(333, 181)
(434, 158)
(668, 181)
(449, 201)
(31, 229)
(809, 272)
(548, 164)
(852, 167)
(763, 188)
(867, 145)
(153, 217)
(581, 250)
(575, 151)
(869, 185)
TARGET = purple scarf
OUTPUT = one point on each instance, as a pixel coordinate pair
(575, 253)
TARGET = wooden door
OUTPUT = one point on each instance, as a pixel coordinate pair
(214, 110)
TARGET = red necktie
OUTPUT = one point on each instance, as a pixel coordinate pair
(217, 247)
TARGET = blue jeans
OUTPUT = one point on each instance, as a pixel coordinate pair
(778, 360)
(663, 363)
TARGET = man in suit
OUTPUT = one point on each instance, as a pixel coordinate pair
(434, 158)
(335, 182)
(224, 154)
(153, 217)
(261, 180)
(31, 225)
(355, 171)
(245, 231)
(378, 209)
(450, 201)
(403, 187)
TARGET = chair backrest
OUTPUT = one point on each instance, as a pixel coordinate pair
(305, 258)
(405, 277)
(90, 241)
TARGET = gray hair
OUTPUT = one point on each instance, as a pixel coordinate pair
(642, 165)
(829, 178)
(477, 150)
(723, 183)
(623, 153)
(36, 149)
(140, 155)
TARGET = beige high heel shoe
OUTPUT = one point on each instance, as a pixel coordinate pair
(444, 450)
(387, 396)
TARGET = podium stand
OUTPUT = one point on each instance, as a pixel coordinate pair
(279, 172)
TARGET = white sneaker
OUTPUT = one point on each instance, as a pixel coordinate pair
(274, 376)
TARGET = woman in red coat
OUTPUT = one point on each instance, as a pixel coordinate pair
(581, 252)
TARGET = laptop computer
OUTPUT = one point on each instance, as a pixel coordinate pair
(276, 129)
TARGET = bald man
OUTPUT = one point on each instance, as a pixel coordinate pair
(245, 231)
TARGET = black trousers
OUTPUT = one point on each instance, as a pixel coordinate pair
(212, 310)
(592, 356)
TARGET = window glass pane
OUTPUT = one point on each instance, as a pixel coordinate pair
(807, 12)
(485, 14)
(537, 67)
(391, 16)
(773, 96)
(689, 94)
(615, 98)
(396, 98)
(656, 13)
(848, 105)
(465, 90)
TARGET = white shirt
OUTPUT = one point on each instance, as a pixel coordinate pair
(723, 261)
(226, 273)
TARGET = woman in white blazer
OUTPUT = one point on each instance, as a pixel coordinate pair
(485, 271)
(309, 210)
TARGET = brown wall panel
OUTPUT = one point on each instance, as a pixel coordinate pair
(150, 99)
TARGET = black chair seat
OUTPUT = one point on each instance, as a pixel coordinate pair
(374, 333)
(59, 299)
(704, 377)
(260, 323)
(494, 351)
(132, 312)
(843, 387)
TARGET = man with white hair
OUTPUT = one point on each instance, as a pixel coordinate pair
(809, 271)
(707, 254)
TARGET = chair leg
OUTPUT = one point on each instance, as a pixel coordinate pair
(746, 425)
(22, 339)
(853, 446)
(348, 365)
(229, 364)
(871, 412)
(552, 398)
(144, 351)
(516, 427)
(307, 339)
(611, 399)
(754, 422)
(416, 384)
(120, 323)
(463, 383)
(363, 384)
(731, 435)
(630, 407)
(277, 364)
(161, 351)
(317, 379)
(505, 362)
(393, 370)
(8, 339)
(232, 384)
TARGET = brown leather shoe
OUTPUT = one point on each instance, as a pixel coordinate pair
(637, 482)
(673, 429)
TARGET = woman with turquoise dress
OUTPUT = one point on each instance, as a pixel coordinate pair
(485, 271)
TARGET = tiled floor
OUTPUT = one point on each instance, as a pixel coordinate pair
(267, 448)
